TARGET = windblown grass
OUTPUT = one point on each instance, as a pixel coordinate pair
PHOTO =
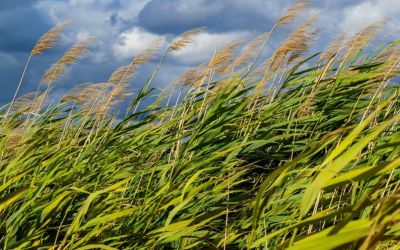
(253, 153)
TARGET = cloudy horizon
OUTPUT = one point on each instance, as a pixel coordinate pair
(123, 28)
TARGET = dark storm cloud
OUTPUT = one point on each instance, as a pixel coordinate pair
(176, 16)
(11, 4)
(20, 27)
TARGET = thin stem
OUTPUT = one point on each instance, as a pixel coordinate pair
(19, 86)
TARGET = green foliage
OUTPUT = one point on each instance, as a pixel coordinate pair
(308, 162)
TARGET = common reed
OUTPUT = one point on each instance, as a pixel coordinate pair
(47, 41)
(184, 39)
(307, 161)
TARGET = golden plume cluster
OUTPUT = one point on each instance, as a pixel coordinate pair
(191, 76)
(75, 52)
(81, 92)
(49, 39)
(184, 39)
(25, 103)
(115, 90)
(361, 39)
(148, 53)
(71, 56)
(296, 44)
(291, 14)
(122, 75)
(250, 51)
(224, 58)
(14, 136)
(89, 96)
(334, 47)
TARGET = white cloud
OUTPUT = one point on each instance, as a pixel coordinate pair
(131, 9)
(132, 42)
(200, 6)
(93, 15)
(367, 12)
(272, 9)
(104, 19)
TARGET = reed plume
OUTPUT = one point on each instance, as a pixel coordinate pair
(71, 56)
(54, 73)
(120, 77)
(333, 48)
(14, 136)
(47, 41)
(361, 39)
(24, 103)
(148, 53)
(118, 94)
(124, 73)
(291, 14)
(75, 52)
(81, 92)
(300, 39)
(50, 39)
(224, 58)
(249, 51)
(286, 18)
(95, 96)
(297, 43)
(184, 39)
(89, 96)
(191, 76)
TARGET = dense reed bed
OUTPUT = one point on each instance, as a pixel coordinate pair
(297, 150)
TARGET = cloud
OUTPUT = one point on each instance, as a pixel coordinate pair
(18, 34)
(176, 16)
(12, 4)
(101, 18)
(124, 27)
(367, 12)
(132, 42)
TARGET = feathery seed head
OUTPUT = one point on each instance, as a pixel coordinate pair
(69, 57)
(190, 76)
(122, 74)
(54, 73)
(224, 57)
(333, 47)
(49, 40)
(291, 14)
(73, 54)
(364, 36)
(27, 102)
(297, 43)
(148, 53)
(81, 92)
(184, 39)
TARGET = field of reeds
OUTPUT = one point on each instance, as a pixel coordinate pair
(299, 150)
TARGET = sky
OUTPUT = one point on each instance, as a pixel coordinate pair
(124, 27)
